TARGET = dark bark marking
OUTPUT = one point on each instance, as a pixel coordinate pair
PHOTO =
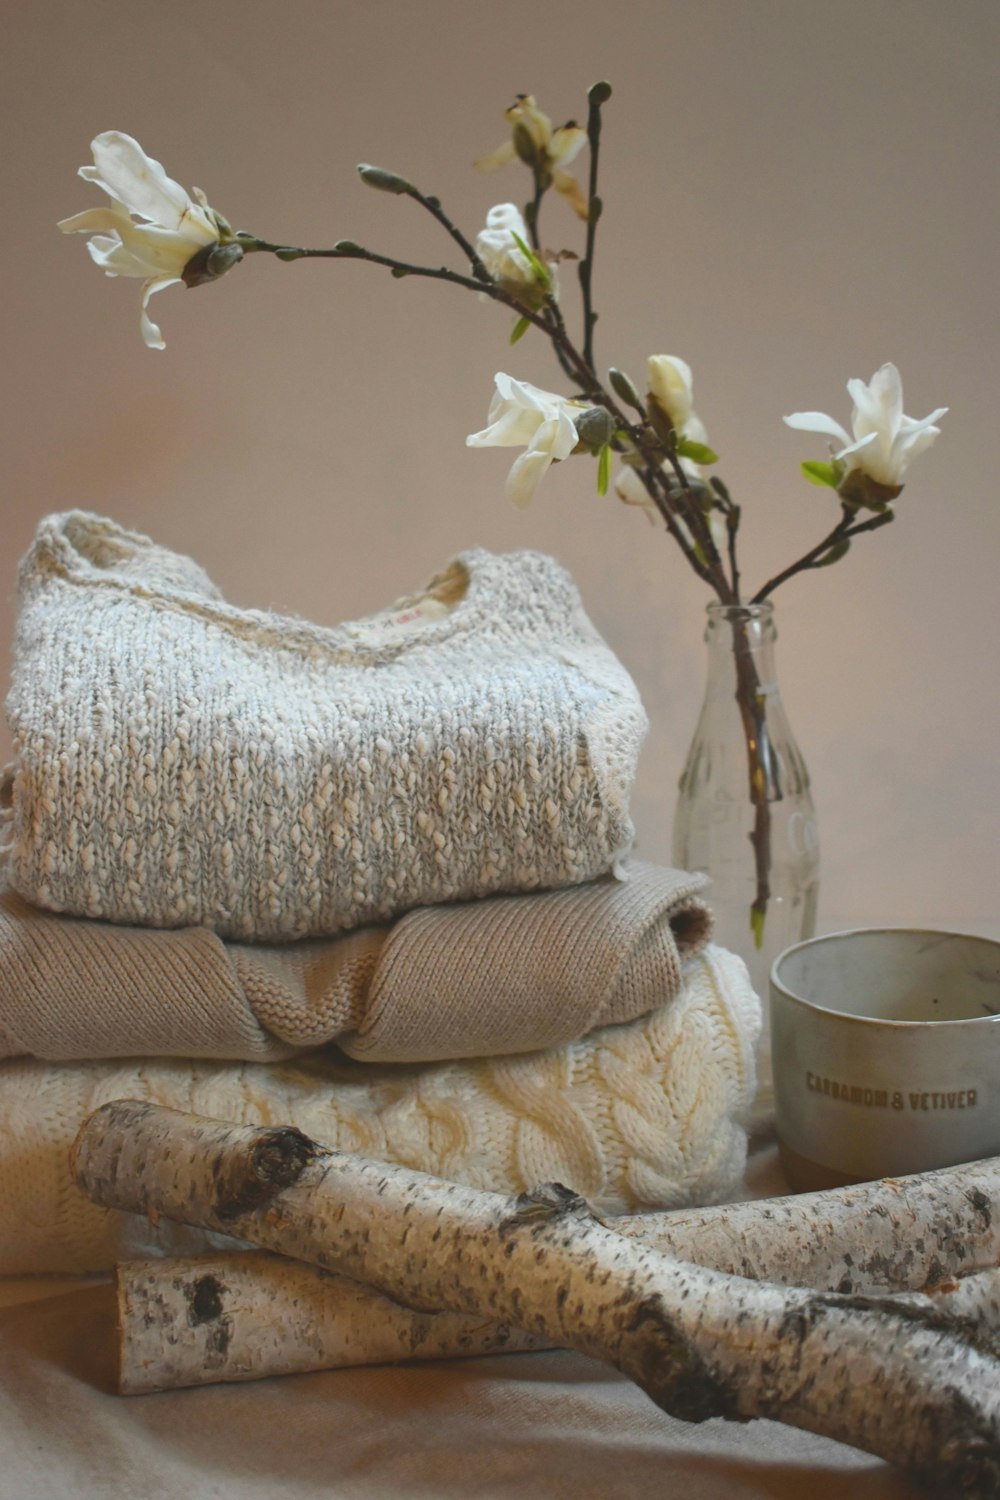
(204, 1298)
(981, 1204)
(273, 1162)
(658, 1357)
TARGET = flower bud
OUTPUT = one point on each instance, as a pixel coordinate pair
(525, 145)
(624, 389)
(211, 262)
(386, 182)
(595, 428)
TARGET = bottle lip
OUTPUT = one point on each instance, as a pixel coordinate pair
(719, 611)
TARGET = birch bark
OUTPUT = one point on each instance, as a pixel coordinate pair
(246, 1315)
(698, 1342)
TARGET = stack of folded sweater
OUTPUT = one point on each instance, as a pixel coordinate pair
(371, 880)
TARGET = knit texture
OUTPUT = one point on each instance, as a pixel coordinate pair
(643, 1115)
(471, 979)
(182, 762)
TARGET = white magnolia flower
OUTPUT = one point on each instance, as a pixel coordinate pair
(548, 152)
(521, 413)
(152, 228)
(497, 248)
(671, 387)
(884, 440)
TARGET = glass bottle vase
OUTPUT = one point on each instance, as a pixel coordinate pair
(744, 812)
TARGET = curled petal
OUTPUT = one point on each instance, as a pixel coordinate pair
(150, 333)
(566, 143)
(524, 477)
(567, 185)
(868, 441)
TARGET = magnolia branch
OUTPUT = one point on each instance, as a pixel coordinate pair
(684, 516)
(699, 1343)
(240, 1315)
(817, 557)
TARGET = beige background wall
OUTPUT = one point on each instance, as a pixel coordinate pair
(794, 193)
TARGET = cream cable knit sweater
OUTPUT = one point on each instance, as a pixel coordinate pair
(643, 1115)
(180, 762)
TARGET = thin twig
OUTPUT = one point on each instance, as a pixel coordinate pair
(531, 211)
(843, 531)
(433, 206)
(597, 96)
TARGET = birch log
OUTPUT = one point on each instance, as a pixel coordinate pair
(244, 1315)
(248, 1315)
(699, 1343)
(240, 1316)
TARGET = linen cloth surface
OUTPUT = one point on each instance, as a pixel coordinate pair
(470, 979)
(647, 1114)
(179, 761)
(545, 1426)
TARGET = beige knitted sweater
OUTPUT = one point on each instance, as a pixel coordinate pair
(648, 1114)
(179, 761)
(468, 979)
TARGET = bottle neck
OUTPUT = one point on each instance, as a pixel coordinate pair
(744, 630)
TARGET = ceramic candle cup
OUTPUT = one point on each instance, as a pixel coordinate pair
(886, 1054)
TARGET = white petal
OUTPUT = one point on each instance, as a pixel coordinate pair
(124, 170)
(913, 443)
(563, 436)
(94, 219)
(671, 383)
(507, 216)
(630, 488)
(910, 424)
(512, 428)
(878, 407)
(522, 481)
(817, 421)
(114, 258)
(150, 332)
(165, 252)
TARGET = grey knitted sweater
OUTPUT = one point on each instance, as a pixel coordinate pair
(179, 761)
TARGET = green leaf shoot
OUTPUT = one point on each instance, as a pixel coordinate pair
(820, 473)
(520, 329)
(699, 453)
(757, 920)
(539, 267)
(603, 469)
